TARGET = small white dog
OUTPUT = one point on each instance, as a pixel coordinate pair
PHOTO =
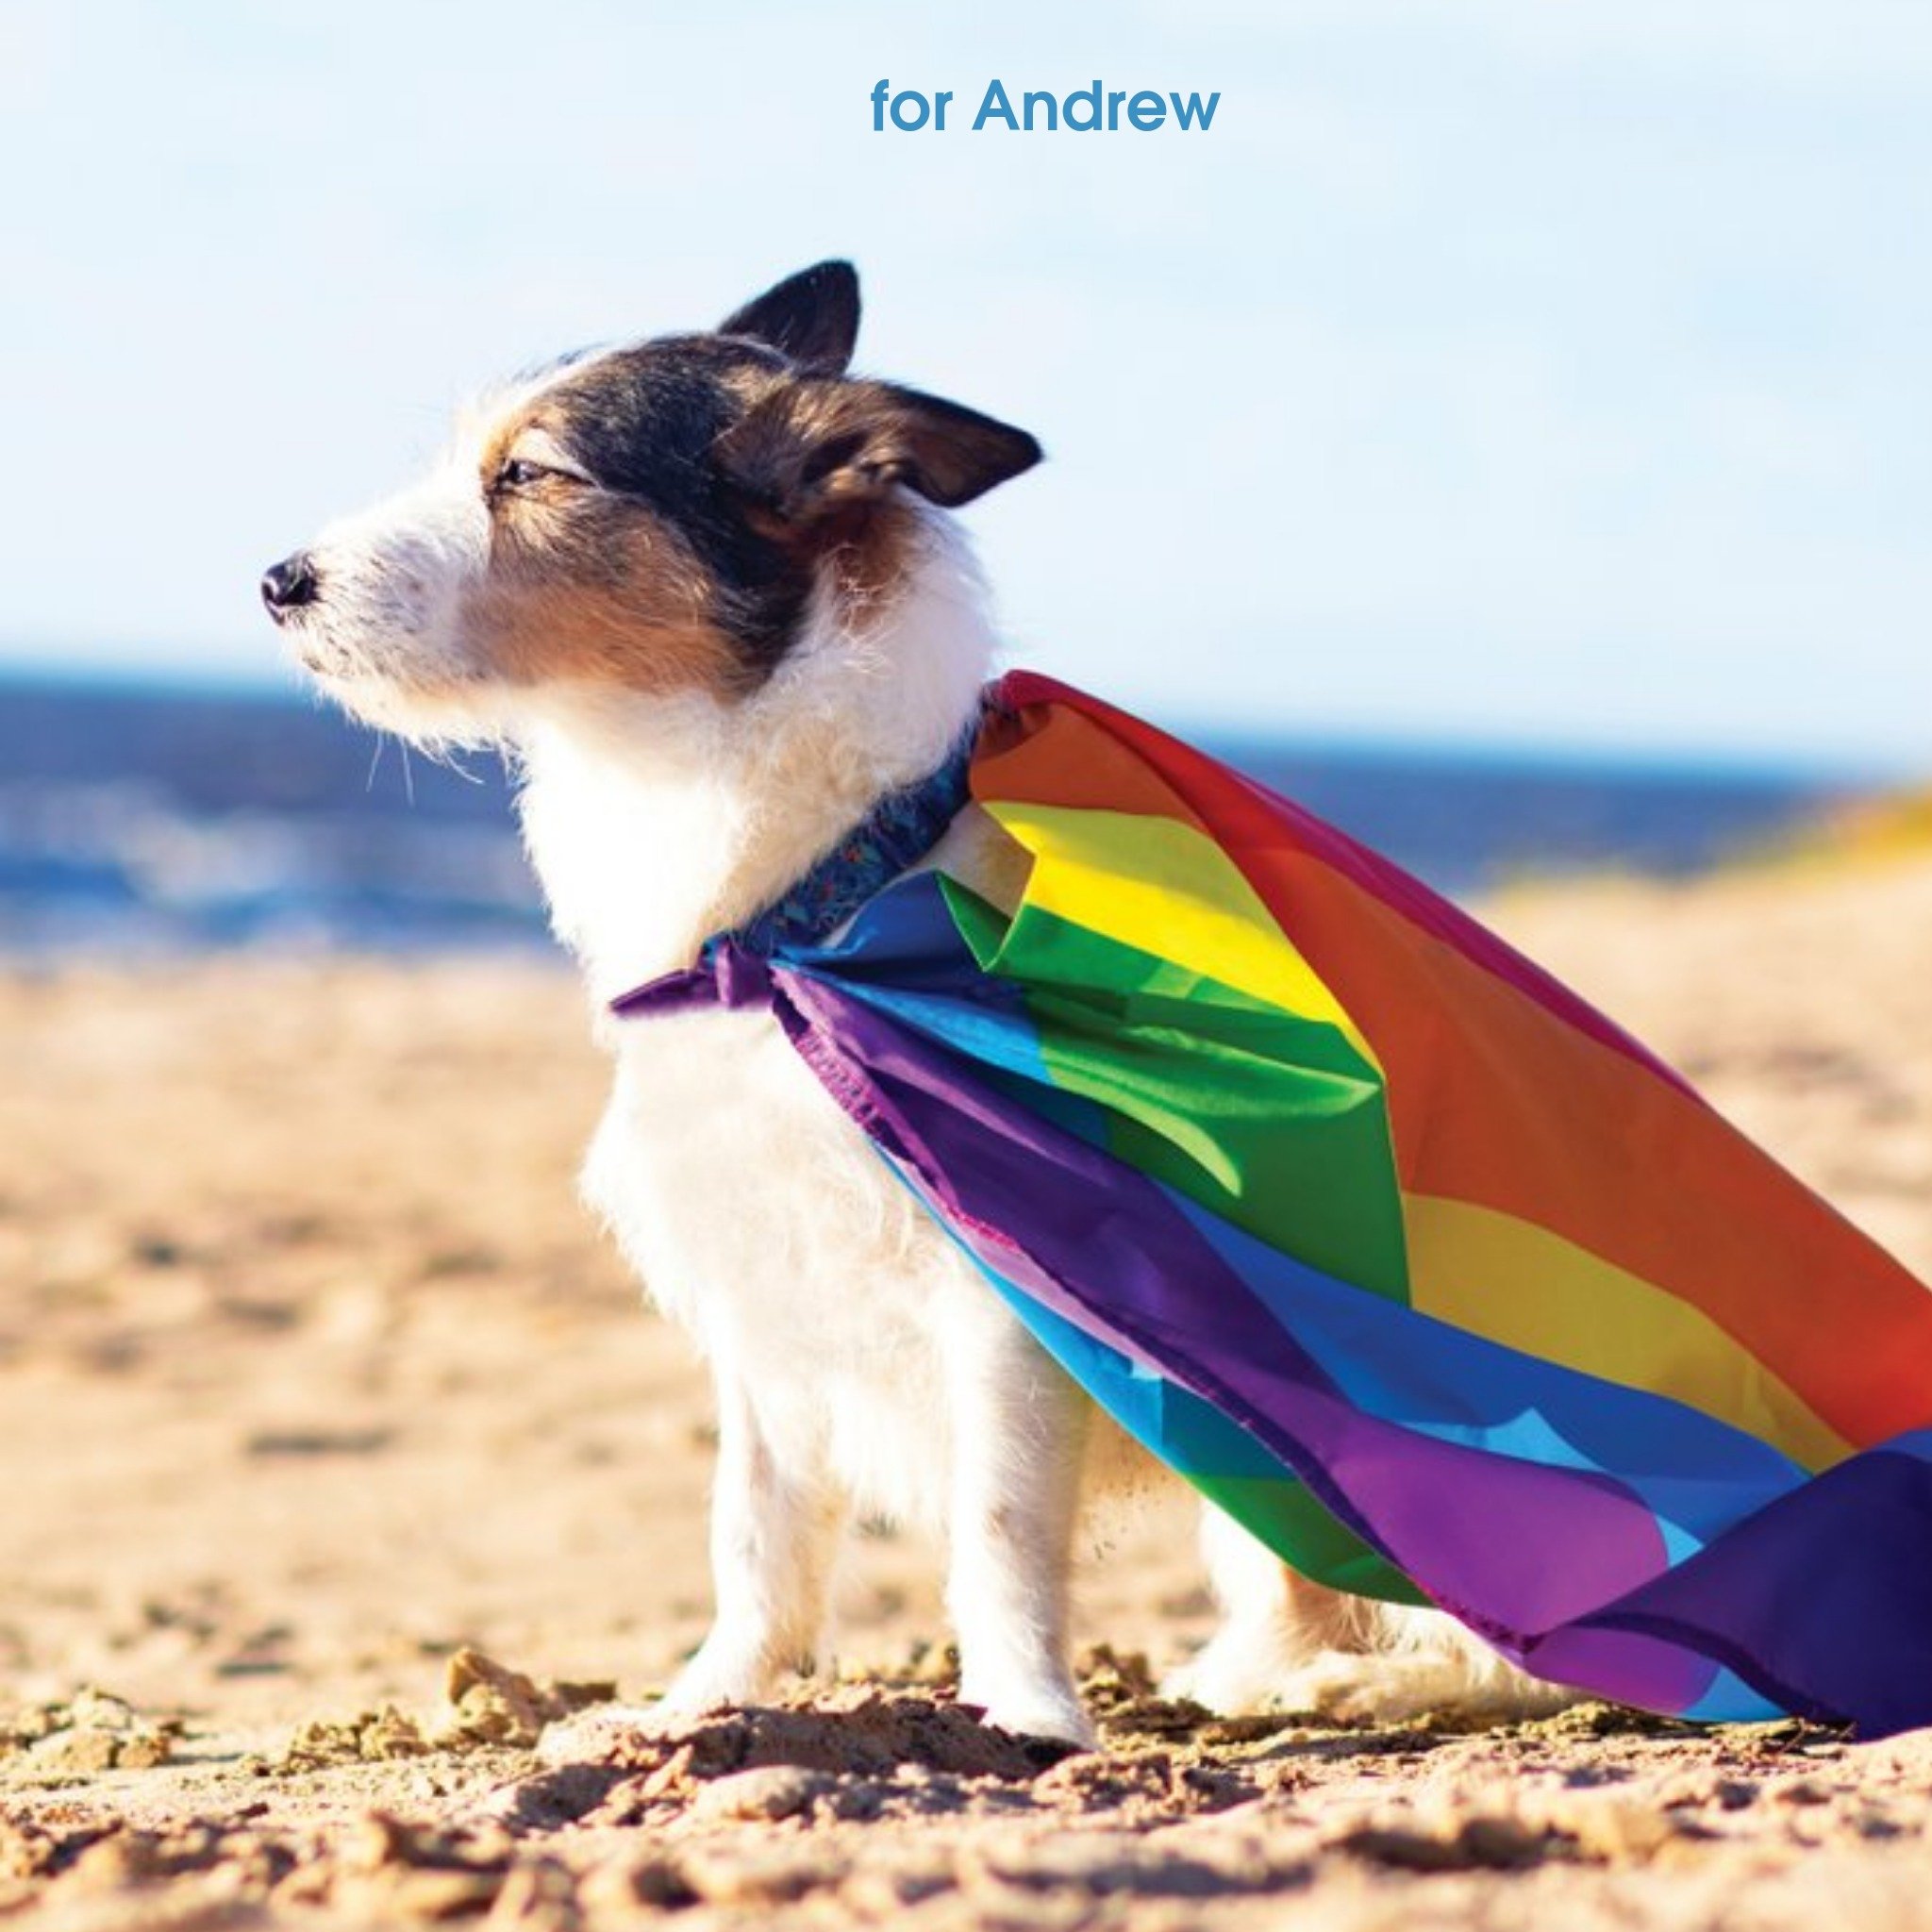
(707, 593)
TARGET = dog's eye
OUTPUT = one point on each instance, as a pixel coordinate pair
(518, 475)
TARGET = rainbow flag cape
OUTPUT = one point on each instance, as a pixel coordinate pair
(1397, 1250)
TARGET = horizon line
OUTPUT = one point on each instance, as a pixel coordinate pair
(274, 684)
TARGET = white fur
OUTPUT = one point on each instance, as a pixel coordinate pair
(859, 1362)
(388, 625)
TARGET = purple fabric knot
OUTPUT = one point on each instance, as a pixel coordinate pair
(726, 974)
(742, 978)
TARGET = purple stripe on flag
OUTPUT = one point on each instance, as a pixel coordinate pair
(1823, 1599)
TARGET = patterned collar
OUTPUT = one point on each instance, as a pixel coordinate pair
(900, 830)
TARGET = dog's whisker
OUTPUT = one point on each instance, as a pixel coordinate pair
(450, 756)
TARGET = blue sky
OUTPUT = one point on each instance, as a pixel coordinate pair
(1494, 371)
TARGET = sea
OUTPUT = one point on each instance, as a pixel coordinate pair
(143, 821)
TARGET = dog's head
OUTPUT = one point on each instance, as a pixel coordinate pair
(658, 518)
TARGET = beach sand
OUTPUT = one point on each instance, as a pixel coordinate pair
(325, 1412)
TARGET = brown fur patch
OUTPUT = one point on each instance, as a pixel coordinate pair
(589, 587)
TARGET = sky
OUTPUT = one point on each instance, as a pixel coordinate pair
(1551, 374)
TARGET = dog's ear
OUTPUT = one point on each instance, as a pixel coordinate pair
(813, 451)
(812, 317)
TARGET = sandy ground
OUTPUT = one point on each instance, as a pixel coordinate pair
(318, 1395)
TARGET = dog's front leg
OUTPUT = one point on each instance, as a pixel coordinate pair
(1019, 1432)
(773, 1540)
(774, 1534)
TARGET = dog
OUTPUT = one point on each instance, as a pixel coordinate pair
(707, 595)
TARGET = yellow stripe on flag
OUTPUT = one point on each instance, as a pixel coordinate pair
(1519, 1284)
(1167, 889)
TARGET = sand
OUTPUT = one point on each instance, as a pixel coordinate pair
(336, 1453)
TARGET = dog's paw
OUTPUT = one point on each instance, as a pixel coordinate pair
(1349, 1689)
(1043, 1712)
(1369, 1689)
(1236, 1679)
(1062, 1724)
(1237, 1672)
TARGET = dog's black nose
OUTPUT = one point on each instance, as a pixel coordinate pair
(290, 584)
